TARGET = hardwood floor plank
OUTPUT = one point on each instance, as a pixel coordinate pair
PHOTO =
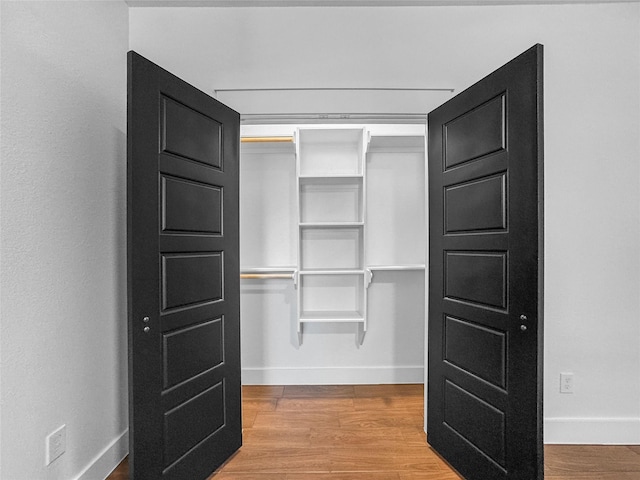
(283, 437)
(356, 437)
(247, 476)
(414, 436)
(278, 460)
(251, 407)
(319, 391)
(248, 418)
(429, 476)
(562, 459)
(386, 403)
(296, 419)
(261, 391)
(315, 404)
(634, 448)
(380, 418)
(391, 390)
(397, 459)
(260, 404)
(344, 476)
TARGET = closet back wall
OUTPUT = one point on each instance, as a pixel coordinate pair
(385, 199)
(592, 146)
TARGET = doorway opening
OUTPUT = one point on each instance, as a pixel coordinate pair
(332, 250)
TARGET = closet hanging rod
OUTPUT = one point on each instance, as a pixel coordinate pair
(293, 118)
(288, 139)
(267, 273)
(260, 276)
(332, 89)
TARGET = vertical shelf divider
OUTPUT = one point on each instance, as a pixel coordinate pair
(297, 280)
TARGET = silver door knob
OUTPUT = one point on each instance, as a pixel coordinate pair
(146, 329)
(523, 328)
(523, 318)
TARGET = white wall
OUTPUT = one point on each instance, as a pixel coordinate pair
(592, 281)
(63, 270)
(592, 146)
(391, 351)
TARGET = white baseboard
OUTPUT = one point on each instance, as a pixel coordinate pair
(332, 375)
(107, 460)
(592, 431)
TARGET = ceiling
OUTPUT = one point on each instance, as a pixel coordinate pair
(353, 3)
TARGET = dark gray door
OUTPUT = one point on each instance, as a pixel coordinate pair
(485, 275)
(183, 285)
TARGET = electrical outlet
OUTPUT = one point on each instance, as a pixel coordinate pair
(566, 383)
(56, 444)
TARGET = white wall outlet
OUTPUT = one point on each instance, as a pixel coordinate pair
(56, 444)
(566, 383)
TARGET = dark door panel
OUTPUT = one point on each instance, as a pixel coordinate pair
(183, 248)
(485, 275)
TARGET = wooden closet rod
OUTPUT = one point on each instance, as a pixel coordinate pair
(266, 139)
(259, 276)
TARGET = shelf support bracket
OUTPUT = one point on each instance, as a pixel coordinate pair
(361, 333)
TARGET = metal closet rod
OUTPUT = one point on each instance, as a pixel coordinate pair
(333, 89)
(329, 118)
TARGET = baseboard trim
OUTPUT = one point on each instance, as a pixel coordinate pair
(332, 375)
(592, 431)
(108, 459)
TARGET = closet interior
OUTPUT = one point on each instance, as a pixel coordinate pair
(332, 253)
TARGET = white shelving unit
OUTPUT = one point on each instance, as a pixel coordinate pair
(333, 281)
(334, 208)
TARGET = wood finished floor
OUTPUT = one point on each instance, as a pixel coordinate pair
(358, 432)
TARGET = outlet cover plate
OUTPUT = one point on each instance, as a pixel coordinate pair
(56, 444)
(566, 383)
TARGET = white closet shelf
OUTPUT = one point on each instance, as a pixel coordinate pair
(330, 224)
(333, 135)
(331, 317)
(335, 271)
(417, 266)
(331, 177)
